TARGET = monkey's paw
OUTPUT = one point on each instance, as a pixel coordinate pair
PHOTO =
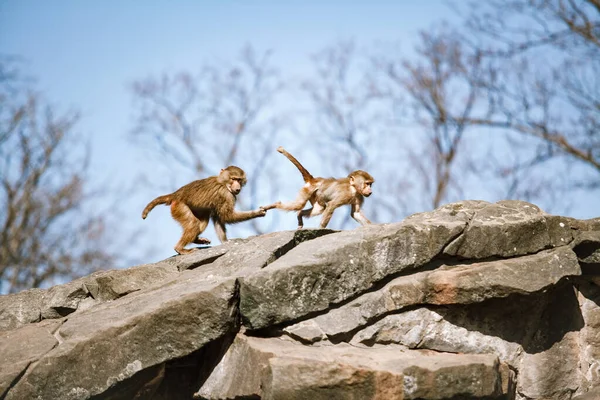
(271, 206)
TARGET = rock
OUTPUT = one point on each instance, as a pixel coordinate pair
(131, 334)
(536, 335)
(589, 304)
(550, 366)
(442, 329)
(21, 308)
(23, 346)
(322, 272)
(470, 301)
(510, 228)
(287, 370)
(587, 248)
(462, 284)
(251, 255)
(593, 394)
(61, 300)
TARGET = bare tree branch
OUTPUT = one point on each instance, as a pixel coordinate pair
(46, 235)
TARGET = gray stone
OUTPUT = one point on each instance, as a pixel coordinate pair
(587, 248)
(21, 308)
(441, 330)
(470, 301)
(536, 334)
(510, 228)
(288, 370)
(23, 346)
(113, 341)
(462, 284)
(589, 303)
(325, 271)
(550, 366)
(61, 300)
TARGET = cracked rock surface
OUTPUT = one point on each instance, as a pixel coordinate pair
(473, 300)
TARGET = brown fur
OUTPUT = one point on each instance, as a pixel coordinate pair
(327, 194)
(194, 204)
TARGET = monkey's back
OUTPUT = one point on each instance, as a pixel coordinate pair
(329, 188)
(203, 194)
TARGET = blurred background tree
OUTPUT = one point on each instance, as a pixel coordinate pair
(541, 78)
(47, 234)
(226, 114)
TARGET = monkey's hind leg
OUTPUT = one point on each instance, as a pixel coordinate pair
(316, 209)
(192, 226)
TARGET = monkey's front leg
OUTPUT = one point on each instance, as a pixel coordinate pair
(358, 216)
(220, 230)
(327, 214)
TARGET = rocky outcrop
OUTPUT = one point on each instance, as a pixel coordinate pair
(470, 301)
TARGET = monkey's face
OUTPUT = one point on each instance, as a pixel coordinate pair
(361, 183)
(233, 178)
(234, 185)
(367, 190)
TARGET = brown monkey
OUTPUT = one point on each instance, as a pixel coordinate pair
(327, 194)
(194, 204)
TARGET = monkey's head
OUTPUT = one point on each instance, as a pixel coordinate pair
(234, 178)
(362, 182)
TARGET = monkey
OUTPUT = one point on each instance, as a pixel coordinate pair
(327, 194)
(194, 204)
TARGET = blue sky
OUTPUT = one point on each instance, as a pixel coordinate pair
(84, 54)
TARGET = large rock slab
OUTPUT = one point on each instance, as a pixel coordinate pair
(536, 334)
(443, 329)
(324, 271)
(142, 316)
(287, 370)
(461, 284)
(21, 308)
(510, 228)
(23, 346)
(470, 301)
(589, 303)
(233, 258)
(550, 367)
(113, 341)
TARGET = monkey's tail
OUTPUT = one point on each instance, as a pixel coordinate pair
(305, 174)
(166, 199)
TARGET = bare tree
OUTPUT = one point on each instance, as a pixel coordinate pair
(443, 85)
(543, 86)
(221, 116)
(347, 126)
(46, 235)
(508, 105)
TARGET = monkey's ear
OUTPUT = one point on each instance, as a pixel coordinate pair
(352, 179)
